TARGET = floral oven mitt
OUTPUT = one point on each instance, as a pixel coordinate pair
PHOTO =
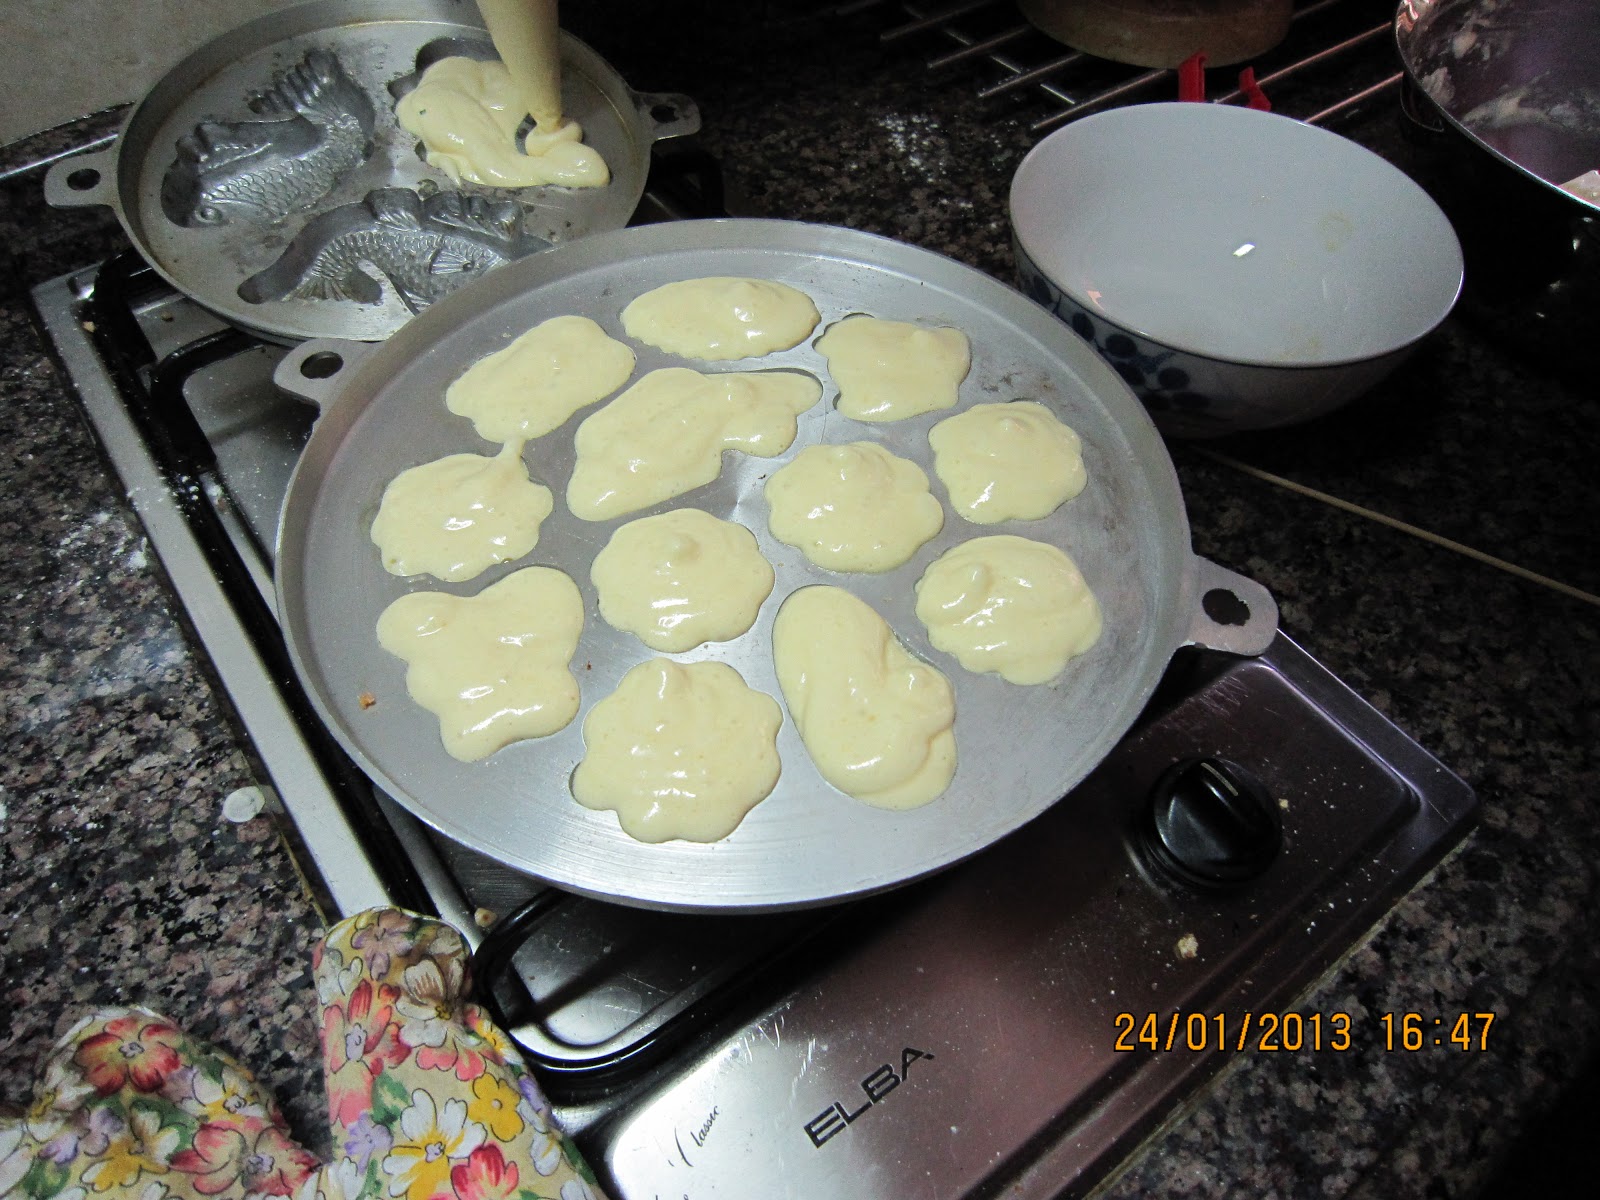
(428, 1100)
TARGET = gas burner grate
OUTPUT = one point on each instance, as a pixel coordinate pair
(1336, 59)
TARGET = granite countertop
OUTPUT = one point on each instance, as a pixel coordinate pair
(121, 879)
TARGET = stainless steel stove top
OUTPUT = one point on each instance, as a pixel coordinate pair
(1018, 1024)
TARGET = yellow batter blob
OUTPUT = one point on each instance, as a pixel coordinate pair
(492, 667)
(1009, 605)
(679, 751)
(665, 435)
(891, 370)
(681, 578)
(877, 721)
(721, 317)
(854, 507)
(1007, 462)
(536, 383)
(467, 113)
(455, 517)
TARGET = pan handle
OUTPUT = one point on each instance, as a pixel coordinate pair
(1231, 613)
(668, 114)
(83, 180)
(315, 371)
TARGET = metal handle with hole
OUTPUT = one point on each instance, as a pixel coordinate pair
(82, 181)
(1231, 613)
(315, 370)
(668, 114)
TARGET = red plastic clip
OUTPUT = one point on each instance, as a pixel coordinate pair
(1252, 92)
(1192, 78)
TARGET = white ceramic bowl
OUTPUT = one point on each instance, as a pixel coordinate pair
(1240, 269)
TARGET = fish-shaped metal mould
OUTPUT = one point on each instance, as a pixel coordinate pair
(425, 247)
(318, 127)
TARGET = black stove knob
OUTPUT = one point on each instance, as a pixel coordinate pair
(1211, 824)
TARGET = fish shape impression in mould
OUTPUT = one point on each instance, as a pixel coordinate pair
(424, 247)
(317, 126)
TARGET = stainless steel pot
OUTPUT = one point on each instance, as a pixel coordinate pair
(277, 142)
(1520, 79)
(1021, 748)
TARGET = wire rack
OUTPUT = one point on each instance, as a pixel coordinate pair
(1338, 58)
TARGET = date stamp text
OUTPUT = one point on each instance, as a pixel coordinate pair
(1290, 1032)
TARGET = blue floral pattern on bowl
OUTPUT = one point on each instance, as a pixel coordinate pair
(1190, 396)
(1165, 387)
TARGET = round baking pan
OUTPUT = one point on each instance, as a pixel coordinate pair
(1020, 748)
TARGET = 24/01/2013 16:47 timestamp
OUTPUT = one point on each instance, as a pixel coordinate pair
(1274, 1032)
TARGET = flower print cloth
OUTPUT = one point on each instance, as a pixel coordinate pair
(428, 1100)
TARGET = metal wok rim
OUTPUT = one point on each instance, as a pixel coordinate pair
(1416, 18)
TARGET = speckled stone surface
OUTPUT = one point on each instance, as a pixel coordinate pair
(121, 880)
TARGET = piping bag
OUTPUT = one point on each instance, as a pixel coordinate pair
(526, 33)
(471, 120)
